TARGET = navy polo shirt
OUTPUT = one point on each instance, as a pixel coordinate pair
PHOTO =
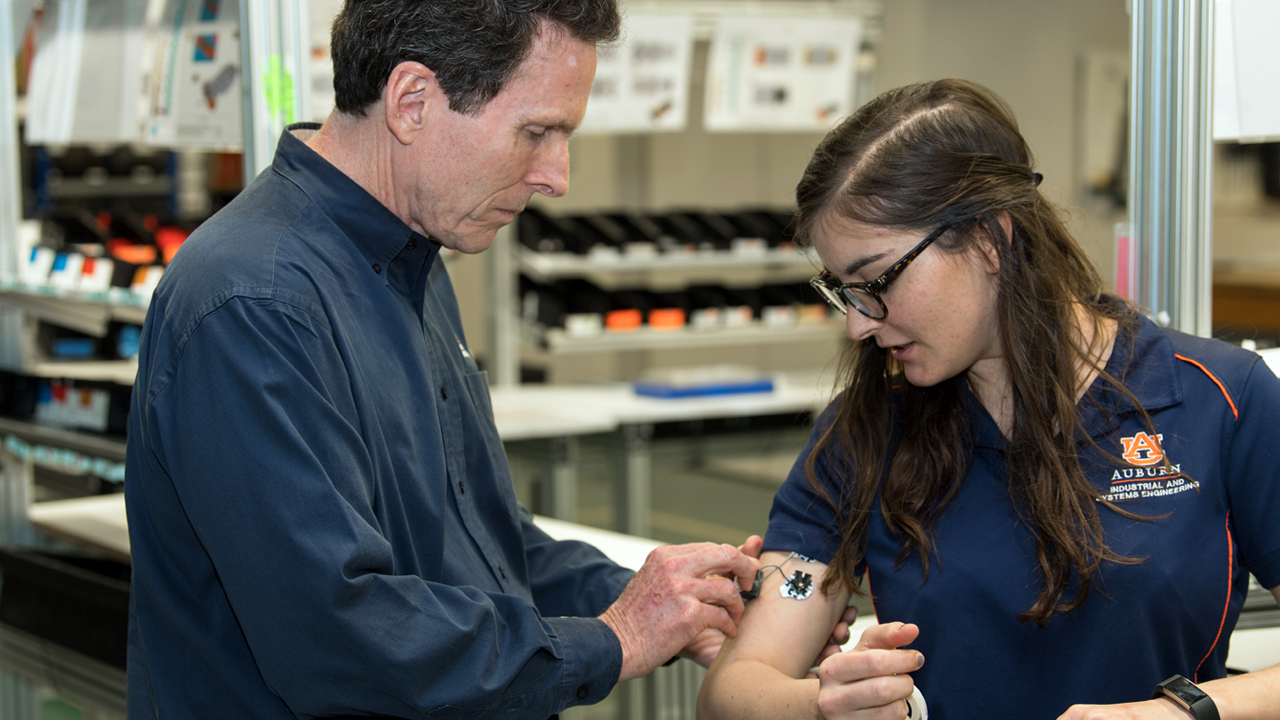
(1216, 411)
(320, 510)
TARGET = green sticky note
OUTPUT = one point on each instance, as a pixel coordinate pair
(277, 84)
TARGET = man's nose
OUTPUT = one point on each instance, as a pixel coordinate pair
(550, 173)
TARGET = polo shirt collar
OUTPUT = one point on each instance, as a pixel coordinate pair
(1142, 359)
(389, 246)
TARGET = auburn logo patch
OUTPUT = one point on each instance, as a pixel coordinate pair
(1149, 474)
(1143, 449)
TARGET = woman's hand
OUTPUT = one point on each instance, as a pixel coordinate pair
(872, 680)
(1158, 709)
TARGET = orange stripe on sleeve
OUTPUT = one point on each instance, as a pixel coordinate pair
(1215, 380)
(1231, 558)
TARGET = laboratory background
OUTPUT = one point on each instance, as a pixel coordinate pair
(655, 352)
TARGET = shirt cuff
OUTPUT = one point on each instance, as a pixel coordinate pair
(592, 659)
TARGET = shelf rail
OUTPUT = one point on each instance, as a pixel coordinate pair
(11, 322)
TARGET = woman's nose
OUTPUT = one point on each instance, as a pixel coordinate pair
(859, 326)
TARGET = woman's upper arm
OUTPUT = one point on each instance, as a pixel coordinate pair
(784, 632)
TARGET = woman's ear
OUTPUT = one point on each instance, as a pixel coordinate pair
(987, 243)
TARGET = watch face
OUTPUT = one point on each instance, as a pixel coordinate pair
(1182, 689)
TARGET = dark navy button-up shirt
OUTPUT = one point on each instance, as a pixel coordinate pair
(1216, 410)
(320, 510)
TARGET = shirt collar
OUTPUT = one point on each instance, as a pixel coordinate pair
(1142, 358)
(384, 240)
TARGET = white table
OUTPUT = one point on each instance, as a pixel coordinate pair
(100, 521)
(617, 407)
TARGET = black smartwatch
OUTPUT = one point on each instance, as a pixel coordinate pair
(1187, 696)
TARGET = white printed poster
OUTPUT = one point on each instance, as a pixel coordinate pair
(195, 98)
(642, 83)
(1246, 70)
(781, 74)
(87, 75)
(323, 97)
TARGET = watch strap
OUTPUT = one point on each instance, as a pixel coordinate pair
(1188, 696)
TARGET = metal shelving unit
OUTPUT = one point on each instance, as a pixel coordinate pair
(274, 40)
(556, 340)
(553, 266)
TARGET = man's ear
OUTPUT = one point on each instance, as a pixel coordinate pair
(408, 98)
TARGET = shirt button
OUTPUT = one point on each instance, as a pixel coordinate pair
(583, 692)
(462, 488)
(502, 572)
(377, 268)
(444, 392)
(412, 244)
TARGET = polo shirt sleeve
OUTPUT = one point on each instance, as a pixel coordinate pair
(569, 578)
(802, 519)
(252, 426)
(1253, 475)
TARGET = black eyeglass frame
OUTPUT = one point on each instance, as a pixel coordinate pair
(827, 284)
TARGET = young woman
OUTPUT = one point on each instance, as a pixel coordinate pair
(1053, 500)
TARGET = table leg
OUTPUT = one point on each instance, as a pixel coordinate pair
(635, 480)
(560, 492)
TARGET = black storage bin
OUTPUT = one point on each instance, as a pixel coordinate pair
(78, 602)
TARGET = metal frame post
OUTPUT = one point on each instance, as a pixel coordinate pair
(275, 42)
(1171, 160)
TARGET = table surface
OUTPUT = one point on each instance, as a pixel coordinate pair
(532, 411)
(100, 521)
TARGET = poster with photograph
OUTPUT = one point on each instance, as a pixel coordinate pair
(642, 84)
(195, 98)
(781, 74)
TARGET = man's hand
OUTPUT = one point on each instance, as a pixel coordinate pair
(706, 646)
(872, 675)
(680, 591)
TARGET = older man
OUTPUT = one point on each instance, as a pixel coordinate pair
(321, 513)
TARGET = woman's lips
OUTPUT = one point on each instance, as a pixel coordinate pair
(902, 352)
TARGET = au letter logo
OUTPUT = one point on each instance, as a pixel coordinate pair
(1143, 449)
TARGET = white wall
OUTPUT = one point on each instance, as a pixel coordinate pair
(1027, 51)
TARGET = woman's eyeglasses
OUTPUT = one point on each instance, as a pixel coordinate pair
(865, 297)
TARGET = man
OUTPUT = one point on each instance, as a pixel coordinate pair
(320, 509)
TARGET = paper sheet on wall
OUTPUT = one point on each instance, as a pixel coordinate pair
(87, 75)
(642, 84)
(195, 98)
(322, 95)
(781, 74)
(1246, 72)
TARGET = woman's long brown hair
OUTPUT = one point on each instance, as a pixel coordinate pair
(949, 153)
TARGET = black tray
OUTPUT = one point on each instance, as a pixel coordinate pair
(81, 603)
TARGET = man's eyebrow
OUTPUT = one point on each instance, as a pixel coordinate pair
(859, 263)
